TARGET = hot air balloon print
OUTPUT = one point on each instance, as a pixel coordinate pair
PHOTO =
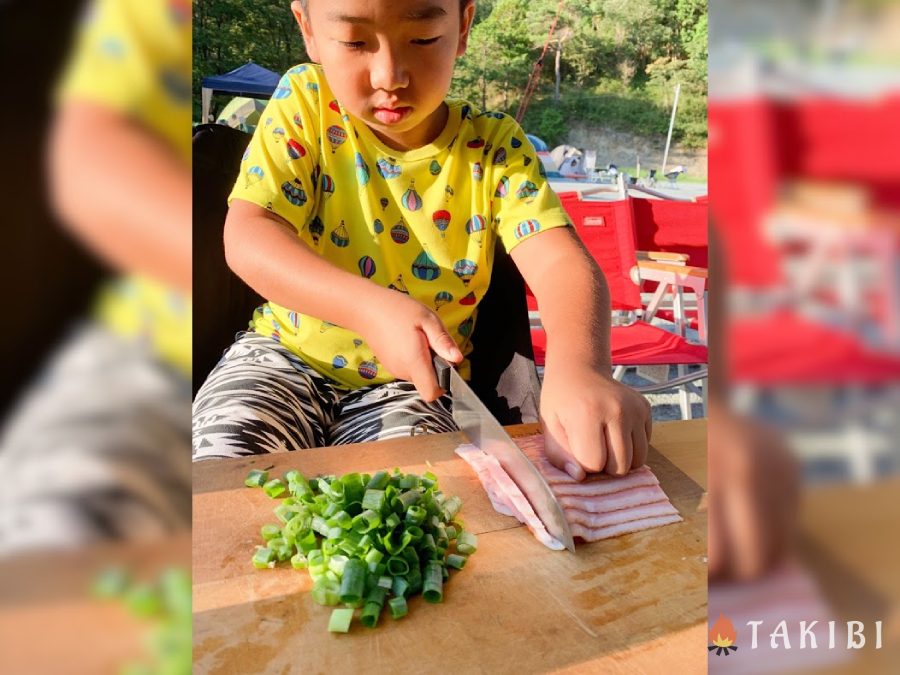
(362, 170)
(326, 325)
(465, 328)
(387, 169)
(542, 171)
(313, 88)
(296, 70)
(315, 175)
(526, 160)
(400, 233)
(254, 175)
(469, 299)
(357, 342)
(527, 227)
(441, 299)
(434, 168)
(316, 229)
(378, 226)
(367, 370)
(384, 203)
(527, 191)
(475, 143)
(340, 237)
(466, 112)
(336, 137)
(448, 194)
(500, 157)
(487, 149)
(294, 192)
(338, 362)
(278, 134)
(502, 188)
(366, 266)
(515, 143)
(295, 149)
(398, 285)
(411, 199)
(425, 268)
(475, 226)
(441, 221)
(298, 120)
(465, 270)
(333, 104)
(281, 93)
(327, 186)
(246, 154)
(477, 172)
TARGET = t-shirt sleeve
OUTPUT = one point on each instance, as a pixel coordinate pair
(120, 52)
(524, 203)
(279, 168)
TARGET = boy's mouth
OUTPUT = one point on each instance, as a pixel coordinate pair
(391, 115)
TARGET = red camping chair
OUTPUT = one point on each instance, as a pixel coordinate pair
(606, 228)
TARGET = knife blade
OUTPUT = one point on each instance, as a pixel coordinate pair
(482, 429)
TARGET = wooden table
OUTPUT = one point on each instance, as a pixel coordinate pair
(628, 604)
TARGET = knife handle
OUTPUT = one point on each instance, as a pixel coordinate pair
(442, 371)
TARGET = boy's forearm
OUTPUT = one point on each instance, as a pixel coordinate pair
(573, 298)
(266, 253)
(123, 193)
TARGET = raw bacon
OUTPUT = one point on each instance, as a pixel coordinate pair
(597, 508)
(488, 468)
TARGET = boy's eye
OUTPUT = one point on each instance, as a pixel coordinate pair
(426, 41)
(357, 44)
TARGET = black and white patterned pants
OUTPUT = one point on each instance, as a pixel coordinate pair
(262, 398)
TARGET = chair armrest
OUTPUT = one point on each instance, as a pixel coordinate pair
(661, 256)
(681, 270)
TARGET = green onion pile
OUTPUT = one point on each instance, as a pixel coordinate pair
(366, 541)
(167, 603)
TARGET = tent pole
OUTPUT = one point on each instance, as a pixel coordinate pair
(671, 124)
(206, 101)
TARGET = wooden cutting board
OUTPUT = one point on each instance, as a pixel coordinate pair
(621, 605)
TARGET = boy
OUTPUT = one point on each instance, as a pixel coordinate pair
(366, 211)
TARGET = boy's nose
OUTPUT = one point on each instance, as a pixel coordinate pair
(387, 72)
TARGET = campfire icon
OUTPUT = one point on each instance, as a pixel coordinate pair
(723, 636)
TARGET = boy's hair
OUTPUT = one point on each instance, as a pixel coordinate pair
(462, 4)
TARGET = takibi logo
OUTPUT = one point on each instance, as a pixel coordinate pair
(723, 636)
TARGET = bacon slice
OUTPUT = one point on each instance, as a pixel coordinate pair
(613, 501)
(598, 520)
(596, 534)
(488, 469)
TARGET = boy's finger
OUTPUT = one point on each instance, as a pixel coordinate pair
(619, 450)
(641, 446)
(423, 378)
(440, 341)
(587, 445)
(555, 448)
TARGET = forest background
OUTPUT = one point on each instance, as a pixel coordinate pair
(610, 68)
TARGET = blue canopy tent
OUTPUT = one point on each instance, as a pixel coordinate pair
(250, 80)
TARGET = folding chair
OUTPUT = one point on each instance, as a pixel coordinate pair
(607, 231)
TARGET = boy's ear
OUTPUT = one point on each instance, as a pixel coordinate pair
(305, 29)
(468, 15)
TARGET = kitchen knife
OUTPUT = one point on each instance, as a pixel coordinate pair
(482, 429)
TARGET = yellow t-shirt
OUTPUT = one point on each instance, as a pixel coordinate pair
(422, 222)
(134, 57)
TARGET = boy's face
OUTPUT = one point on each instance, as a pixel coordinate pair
(389, 62)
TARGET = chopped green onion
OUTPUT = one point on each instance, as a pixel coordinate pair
(385, 582)
(326, 592)
(399, 586)
(397, 567)
(456, 561)
(263, 558)
(270, 531)
(299, 561)
(379, 481)
(353, 581)
(374, 500)
(111, 583)
(415, 515)
(274, 487)
(371, 612)
(366, 521)
(340, 620)
(337, 564)
(398, 607)
(256, 478)
(282, 550)
(466, 543)
(433, 583)
(392, 521)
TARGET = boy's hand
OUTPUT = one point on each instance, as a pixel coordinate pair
(592, 422)
(402, 332)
